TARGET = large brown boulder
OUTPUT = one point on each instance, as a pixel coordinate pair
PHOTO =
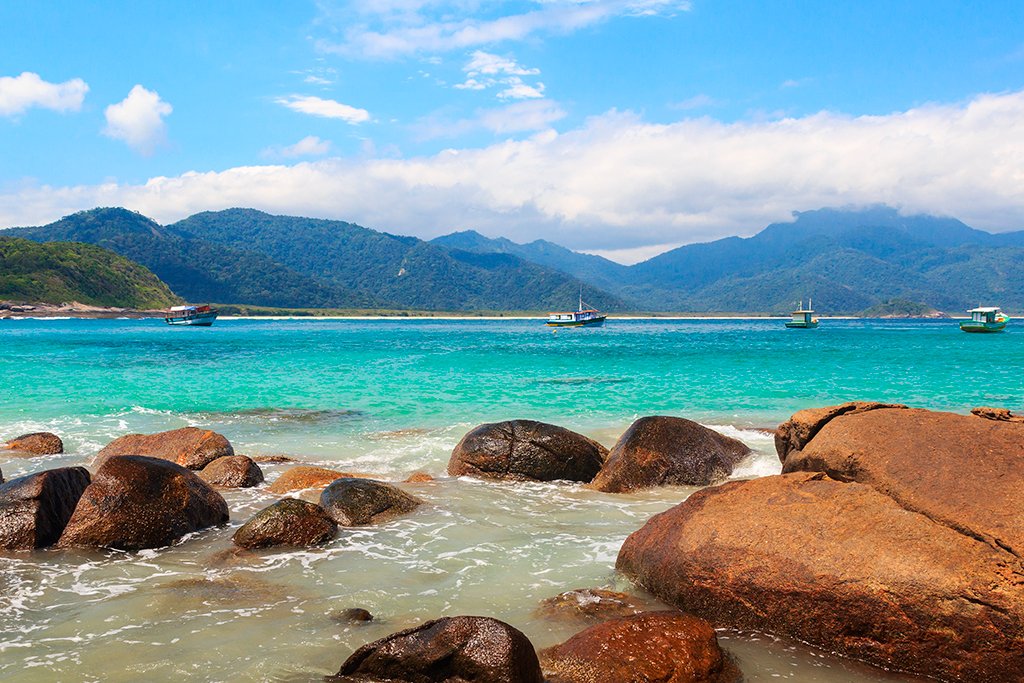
(34, 509)
(448, 650)
(232, 471)
(307, 477)
(189, 447)
(841, 566)
(289, 522)
(962, 471)
(668, 451)
(136, 502)
(793, 434)
(651, 647)
(521, 450)
(37, 443)
(358, 502)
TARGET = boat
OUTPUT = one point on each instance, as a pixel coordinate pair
(581, 317)
(200, 316)
(803, 318)
(985, 319)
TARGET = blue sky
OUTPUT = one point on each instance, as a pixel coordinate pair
(624, 127)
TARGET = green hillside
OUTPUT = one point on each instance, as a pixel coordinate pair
(61, 272)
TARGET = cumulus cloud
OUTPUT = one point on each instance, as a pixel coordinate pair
(619, 182)
(330, 109)
(20, 93)
(485, 70)
(138, 120)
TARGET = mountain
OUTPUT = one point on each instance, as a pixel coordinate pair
(62, 272)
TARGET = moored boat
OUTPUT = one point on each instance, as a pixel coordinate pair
(803, 318)
(200, 316)
(985, 319)
(581, 317)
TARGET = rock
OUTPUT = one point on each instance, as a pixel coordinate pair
(232, 591)
(137, 502)
(793, 434)
(448, 650)
(418, 478)
(358, 502)
(305, 477)
(232, 471)
(668, 451)
(272, 459)
(526, 450)
(589, 605)
(34, 509)
(288, 522)
(961, 471)
(37, 443)
(999, 414)
(840, 566)
(352, 615)
(189, 447)
(651, 647)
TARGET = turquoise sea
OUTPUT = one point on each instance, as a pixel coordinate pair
(389, 397)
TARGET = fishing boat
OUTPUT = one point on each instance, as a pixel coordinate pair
(985, 319)
(803, 318)
(581, 317)
(200, 316)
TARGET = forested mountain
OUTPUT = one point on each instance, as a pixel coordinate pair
(63, 272)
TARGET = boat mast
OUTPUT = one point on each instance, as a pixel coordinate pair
(580, 309)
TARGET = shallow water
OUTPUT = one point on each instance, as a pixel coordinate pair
(389, 398)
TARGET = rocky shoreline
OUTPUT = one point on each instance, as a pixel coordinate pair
(892, 535)
(74, 309)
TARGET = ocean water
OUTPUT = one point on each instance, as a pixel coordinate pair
(390, 397)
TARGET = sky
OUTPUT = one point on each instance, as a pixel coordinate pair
(619, 127)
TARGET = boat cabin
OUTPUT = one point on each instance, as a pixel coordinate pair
(985, 314)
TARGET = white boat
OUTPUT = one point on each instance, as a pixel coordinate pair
(200, 316)
(581, 317)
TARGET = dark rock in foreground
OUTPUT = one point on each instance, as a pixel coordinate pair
(232, 471)
(34, 509)
(448, 650)
(357, 502)
(668, 451)
(136, 502)
(189, 447)
(841, 566)
(526, 450)
(589, 605)
(288, 522)
(651, 647)
(37, 443)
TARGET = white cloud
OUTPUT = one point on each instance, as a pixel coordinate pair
(19, 93)
(515, 89)
(309, 146)
(619, 182)
(330, 109)
(138, 120)
(317, 80)
(518, 117)
(485, 70)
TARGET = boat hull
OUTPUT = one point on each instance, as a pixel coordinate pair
(592, 322)
(801, 326)
(201, 320)
(982, 328)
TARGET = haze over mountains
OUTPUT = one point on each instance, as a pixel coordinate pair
(847, 260)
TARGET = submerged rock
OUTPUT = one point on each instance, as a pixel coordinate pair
(589, 605)
(352, 615)
(288, 522)
(357, 502)
(306, 477)
(651, 647)
(189, 447)
(273, 459)
(34, 509)
(418, 478)
(37, 443)
(232, 471)
(526, 450)
(137, 502)
(797, 431)
(668, 451)
(448, 650)
(840, 566)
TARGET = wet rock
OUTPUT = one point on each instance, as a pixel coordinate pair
(448, 650)
(652, 647)
(526, 450)
(288, 522)
(794, 434)
(418, 478)
(137, 502)
(34, 509)
(840, 566)
(352, 615)
(224, 590)
(37, 443)
(962, 471)
(358, 502)
(272, 459)
(306, 477)
(189, 447)
(589, 605)
(232, 471)
(998, 414)
(668, 451)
